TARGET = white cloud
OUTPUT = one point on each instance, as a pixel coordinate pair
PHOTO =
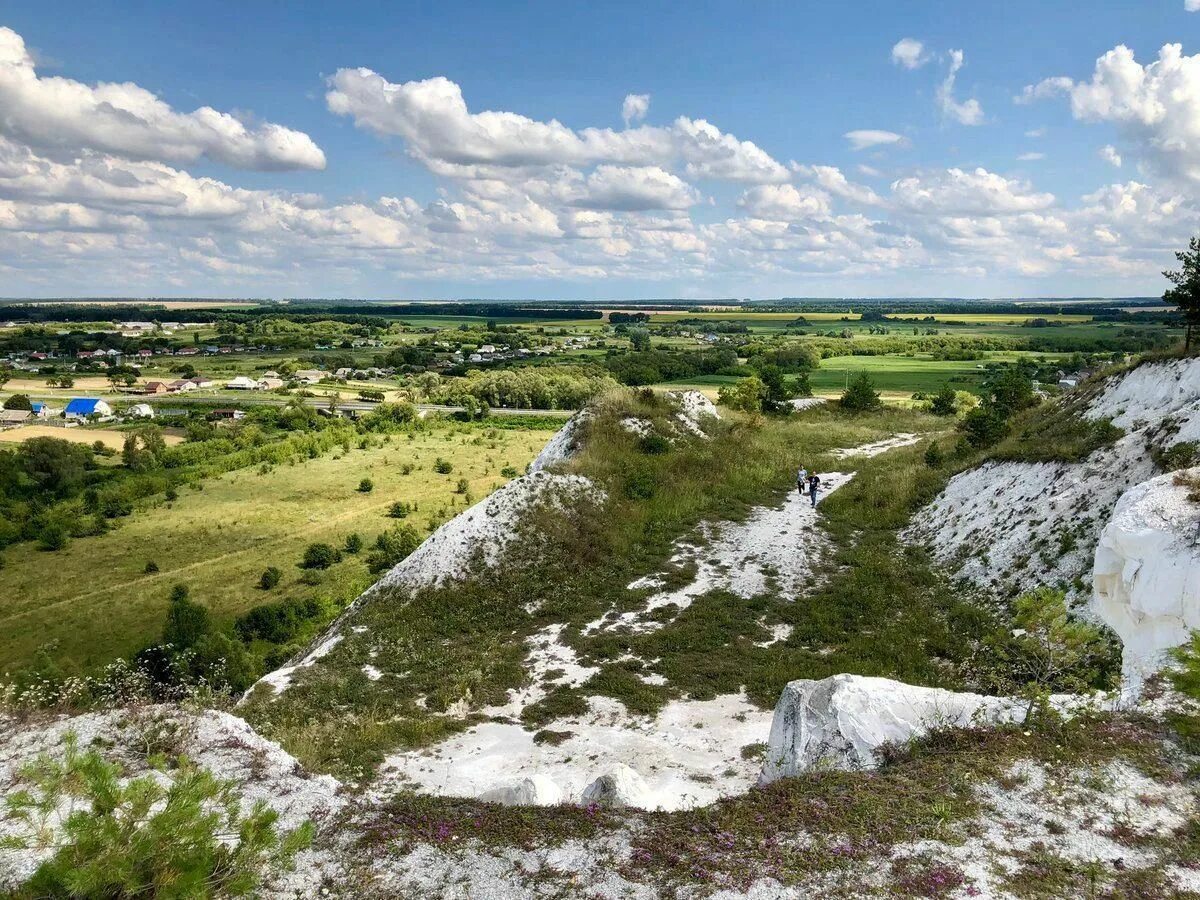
(1031, 157)
(1109, 153)
(1156, 107)
(635, 107)
(831, 179)
(635, 189)
(956, 192)
(1046, 88)
(785, 202)
(62, 116)
(866, 138)
(433, 119)
(1036, 133)
(1191, 5)
(967, 112)
(909, 53)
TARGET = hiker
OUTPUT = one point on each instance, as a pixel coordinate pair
(802, 480)
(813, 483)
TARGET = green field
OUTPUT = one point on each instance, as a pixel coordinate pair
(93, 602)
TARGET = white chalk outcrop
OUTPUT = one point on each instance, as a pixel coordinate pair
(619, 788)
(1007, 526)
(536, 790)
(694, 410)
(841, 721)
(565, 443)
(1147, 575)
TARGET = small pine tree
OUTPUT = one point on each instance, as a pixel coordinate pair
(943, 402)
(354, 542)
(366, 486)
(270, 577)
(860, 395)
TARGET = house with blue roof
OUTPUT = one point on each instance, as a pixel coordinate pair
(85, 407)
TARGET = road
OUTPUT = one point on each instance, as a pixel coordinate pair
(251, 399)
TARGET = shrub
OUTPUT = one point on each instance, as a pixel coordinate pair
(654, 445)
(171, 495)
(746, 395)
(269, 578)
(861, 395)
(639, 485)
(509, 472)
(18, 401)
(187, 621)
(462, 487)
(400, 510)
(53, 537)
(151, 567)
(1183, 455)
(443, 466)
(392, 546)
(141, 838)
(276, 622)
(366, 486)
(354, 543)
(943, 402)
(934, 457)
(319, 556)
(983, 426)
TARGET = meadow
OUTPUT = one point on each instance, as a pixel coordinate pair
(94, 600)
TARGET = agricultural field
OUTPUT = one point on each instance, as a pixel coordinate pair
(93, 600)
(109, 437)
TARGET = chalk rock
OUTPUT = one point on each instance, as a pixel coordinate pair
(802, 403)
(840, 721)
(694, 408)
(536, 790)
(565, 443)
(1146, 578)
(619, 787)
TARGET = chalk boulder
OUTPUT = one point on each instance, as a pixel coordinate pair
(619, 787)
(565, 443)
(1146, 578)
(694, 410)
(536, 790)
(839, 722)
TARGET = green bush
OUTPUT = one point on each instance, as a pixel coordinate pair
(462, 487)
(366, 486)
(860, 395)
(392, 546)
(319, 556)
(443, 466)
(53, 537)
(270, 577)
(400, 510)
(509, 472)
(654, 445)
(984, 426)
(141, 838)
(277, 622)
(187, 621)
(943, 402)
(354, 543)
(151, 567)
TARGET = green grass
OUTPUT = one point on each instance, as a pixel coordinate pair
(94, 602)
(896, 374)
(466, 641)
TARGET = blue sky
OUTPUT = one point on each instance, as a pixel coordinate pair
(963, 191)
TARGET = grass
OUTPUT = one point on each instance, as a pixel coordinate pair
(466, 641)
(109, 437)
(94, 600)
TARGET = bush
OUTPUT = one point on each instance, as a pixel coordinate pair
(319, 556)
(654, 445)
(392, 546)
(354, 543)
(151, 568)
(462, 487)
(187, 621)
(171, 495)
(53, 537)
(18, 401)
(934, 457)
(269, 578)
(141, 838)
(443, 466)
(366, 486)
(400, 510)
(943, 402)
(984, 426)
(276, 622)
(861, 395)
(639, 485)
(509, 472)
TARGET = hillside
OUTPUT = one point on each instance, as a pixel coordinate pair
(710, 687)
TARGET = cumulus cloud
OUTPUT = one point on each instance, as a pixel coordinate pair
(635, 107)
(785, 202)
(958, 192)
(1156, 106)
(909, 53)
(1191, 5)
(966, 112)
(636, 189)
(865, 139)
(1109, 153)
(433, 119)
(65, 116)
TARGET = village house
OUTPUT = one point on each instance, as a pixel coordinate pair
(43, 410)
(201, 382)
(11, 418)
(310, 376)
(227, 414)
(180, 385)
(270, 384)
(242, 383)
(156, 387)
(86, 407)
(141, 411)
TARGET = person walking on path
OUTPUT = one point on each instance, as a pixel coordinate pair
(802, 480)
(813, 484)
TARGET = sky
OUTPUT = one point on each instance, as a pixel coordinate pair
(597, 151)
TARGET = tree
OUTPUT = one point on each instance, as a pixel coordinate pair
(861, 395)
(746, 395)
(1186, 291)
(354, 542)
(144, 448)
(187, 621)
(5, 375)
(983, 426)
(366, 486)
(392, 546)
(1011, 391)
(270, 578)
(639, 339)
(943, 402)
(772, 379)
(319, 556)
(18, 401)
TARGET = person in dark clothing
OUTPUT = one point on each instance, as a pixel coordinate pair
(802, 480)
(813, 484)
